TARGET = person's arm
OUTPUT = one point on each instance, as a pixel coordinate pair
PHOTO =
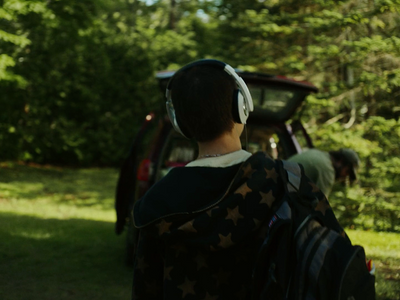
(148, 267)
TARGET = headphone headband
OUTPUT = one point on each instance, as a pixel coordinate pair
(242, 85)
(244, 101)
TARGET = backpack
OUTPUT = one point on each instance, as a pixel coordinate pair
(304, 255)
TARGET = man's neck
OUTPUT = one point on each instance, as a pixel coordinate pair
(226, 143)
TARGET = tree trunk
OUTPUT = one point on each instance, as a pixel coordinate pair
(172, 15)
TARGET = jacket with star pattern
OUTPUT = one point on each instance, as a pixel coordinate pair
(201, 229)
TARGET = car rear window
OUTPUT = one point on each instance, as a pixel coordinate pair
(264, 138)
(276, 102)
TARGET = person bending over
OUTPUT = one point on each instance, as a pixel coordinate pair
(326, 168)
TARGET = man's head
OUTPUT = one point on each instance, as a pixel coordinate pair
(204, 99)
(346, 163)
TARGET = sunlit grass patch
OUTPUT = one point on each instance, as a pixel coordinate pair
(377, 243)
(59, 193)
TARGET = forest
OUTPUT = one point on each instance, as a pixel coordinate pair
(77, 78)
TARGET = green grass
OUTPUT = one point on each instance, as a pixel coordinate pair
(58, 242)
(57, 235)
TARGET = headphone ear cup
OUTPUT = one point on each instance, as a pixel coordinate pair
(235, 107)
(238, 108)
(174, 119)
(182, 130)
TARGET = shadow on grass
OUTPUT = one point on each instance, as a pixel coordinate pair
(61, 259)
(78, 187)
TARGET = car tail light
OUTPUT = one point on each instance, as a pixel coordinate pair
(149, 117)
(143, 172)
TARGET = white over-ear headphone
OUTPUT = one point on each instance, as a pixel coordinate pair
(242, 101)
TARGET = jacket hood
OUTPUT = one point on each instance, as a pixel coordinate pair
(183, 191)
(212, 207)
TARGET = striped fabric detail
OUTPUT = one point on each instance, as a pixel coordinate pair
(294, 175)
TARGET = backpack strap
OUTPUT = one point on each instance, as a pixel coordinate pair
(293, 172)
(295, 183)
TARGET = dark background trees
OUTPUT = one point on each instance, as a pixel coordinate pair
(77, 77)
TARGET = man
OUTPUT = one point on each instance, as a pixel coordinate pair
(326, 168)
(202, 225)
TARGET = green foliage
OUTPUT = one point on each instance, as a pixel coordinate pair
(10, 40)
(84, 80)
(77, 77)
(85, 72)
(350, 50)
(374, 203)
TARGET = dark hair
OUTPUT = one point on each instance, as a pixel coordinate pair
(347, 158)
(337, 155)
(202, 97)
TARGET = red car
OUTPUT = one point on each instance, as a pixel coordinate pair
(157, 147)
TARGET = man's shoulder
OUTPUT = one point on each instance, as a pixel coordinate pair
(182, 191)
(311, 155)
(259, 169)
(261, 159)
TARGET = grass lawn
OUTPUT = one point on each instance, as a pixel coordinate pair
(58, 241)
(57, 235)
